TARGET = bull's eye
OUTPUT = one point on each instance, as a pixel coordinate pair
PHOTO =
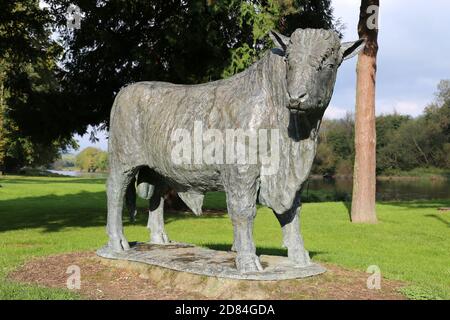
(330, 66)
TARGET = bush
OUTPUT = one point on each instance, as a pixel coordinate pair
(92, 159)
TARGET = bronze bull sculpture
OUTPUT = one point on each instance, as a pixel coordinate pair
(287, 90)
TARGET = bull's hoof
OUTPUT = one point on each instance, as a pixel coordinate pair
(118, 244)
(114, 246)
(299, 257)
(159, 238)
(247, 263)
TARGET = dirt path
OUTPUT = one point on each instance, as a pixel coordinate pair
(101, 279)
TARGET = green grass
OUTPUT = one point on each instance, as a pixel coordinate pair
(422, 173)
(48, 215)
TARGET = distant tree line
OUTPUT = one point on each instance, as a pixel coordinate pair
(65, 162)
(403, 143)
(91, 160)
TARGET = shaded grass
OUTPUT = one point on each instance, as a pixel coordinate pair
(46, 215)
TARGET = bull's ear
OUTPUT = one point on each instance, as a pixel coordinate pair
(351, 49)
(279, 40)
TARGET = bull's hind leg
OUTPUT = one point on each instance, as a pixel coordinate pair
(117, 184)
(155, 223)
(292, 239)
(241, 203)
(130, 199)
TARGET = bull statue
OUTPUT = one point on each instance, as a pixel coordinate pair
(287, 90)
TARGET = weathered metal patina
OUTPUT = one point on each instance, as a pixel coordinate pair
(287, 90)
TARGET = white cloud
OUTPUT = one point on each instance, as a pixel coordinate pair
(413, 108)
(348, 12)
(84, 142)
(334, 112)
(405, 107)
(412, 58)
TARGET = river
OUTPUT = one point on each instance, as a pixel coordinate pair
(341, 189)
(387, 190)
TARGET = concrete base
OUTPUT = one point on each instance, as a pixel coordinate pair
(207, 262)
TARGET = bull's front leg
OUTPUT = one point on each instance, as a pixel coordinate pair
(117, 184)
(292, 239)
(241, 203)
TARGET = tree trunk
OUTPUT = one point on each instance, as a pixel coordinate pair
(364, 176)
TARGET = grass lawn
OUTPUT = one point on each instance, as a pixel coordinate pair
(50, 215)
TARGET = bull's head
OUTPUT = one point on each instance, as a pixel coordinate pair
(312, 57)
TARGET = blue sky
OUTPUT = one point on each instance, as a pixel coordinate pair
(414, 41)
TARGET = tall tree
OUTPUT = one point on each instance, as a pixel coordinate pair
(28, 68)
(364, 176)
(189, 42)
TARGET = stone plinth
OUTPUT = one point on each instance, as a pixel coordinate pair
(207, 262)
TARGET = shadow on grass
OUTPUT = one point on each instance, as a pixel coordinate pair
(415, 204)
(259, 250)
(348, 206)
(419, 204)
(53, 212)
(51, 180)
(438, 218)
(88, 209)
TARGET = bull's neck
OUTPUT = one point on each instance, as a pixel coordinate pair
(300, 126)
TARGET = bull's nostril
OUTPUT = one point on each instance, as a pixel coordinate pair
(300, 98)
(303, 97)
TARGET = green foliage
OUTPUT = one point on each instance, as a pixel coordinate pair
(92, 159)
(325, 161)
(14, 291)
(102, 161)
(47, 216)
(192, 41)
(261, 19)
(421, 142)
(27, 83)
(241, 58)
(64, 162)
(335, 151)
(387, 127)
(419, 293)
(263, 16)
(120, 42)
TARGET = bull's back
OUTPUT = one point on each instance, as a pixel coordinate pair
(145, 116)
